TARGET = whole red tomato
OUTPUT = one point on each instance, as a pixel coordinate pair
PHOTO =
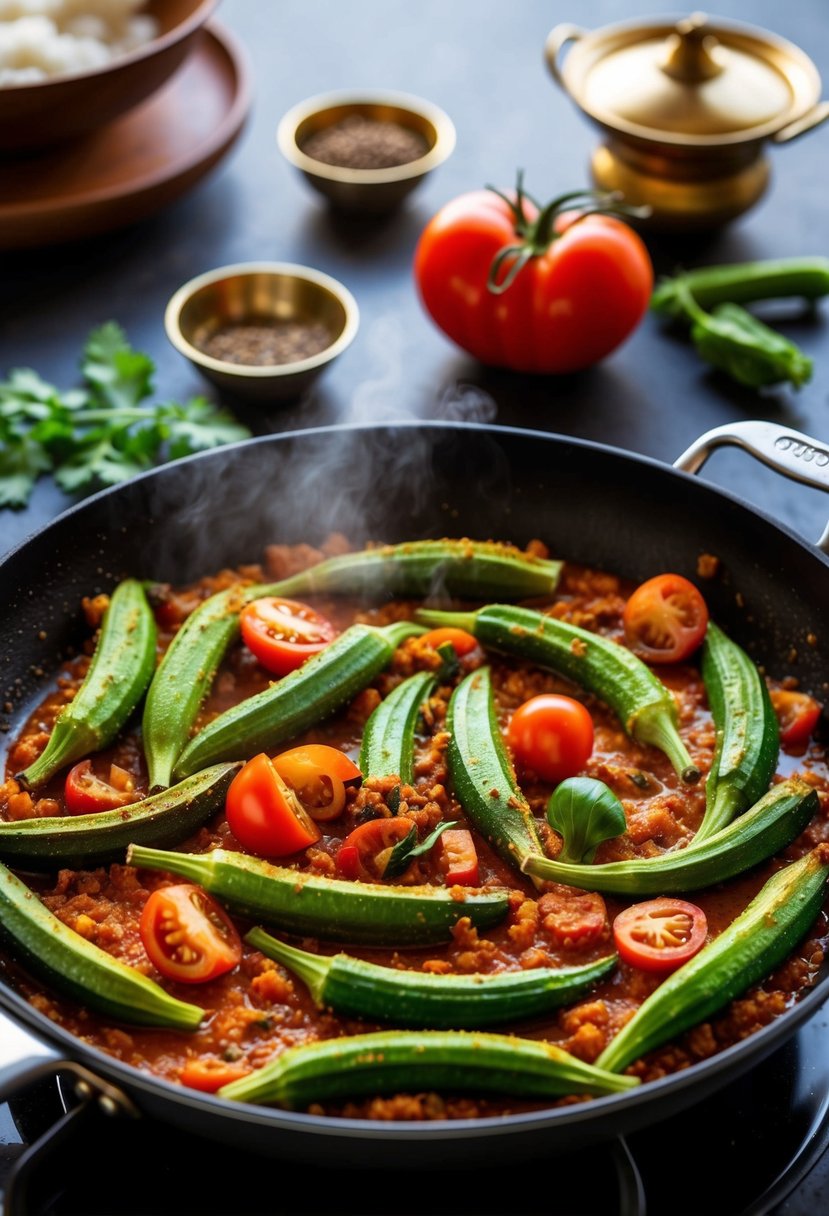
(535, 291)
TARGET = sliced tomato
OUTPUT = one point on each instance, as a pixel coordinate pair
(365, 852)
(660, 934)
(282, 633)
(665, 619)
(264, 813)
(574, 919)
(797, 713)
(209, 1074)
(461, 642)
(318, 775)
(188, 936)
(552, 735)
(84, 792)
(458, 858)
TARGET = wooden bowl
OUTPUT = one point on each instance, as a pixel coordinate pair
(49, 112)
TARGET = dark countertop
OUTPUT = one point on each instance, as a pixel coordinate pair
(482, 62)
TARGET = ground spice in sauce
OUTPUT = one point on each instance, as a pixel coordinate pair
(265, 343)
(365, 143)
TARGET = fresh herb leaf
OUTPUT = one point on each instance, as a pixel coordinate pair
(408, 848)
(584, 812)
(121, 376)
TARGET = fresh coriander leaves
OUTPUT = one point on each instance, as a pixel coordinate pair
(103, 432)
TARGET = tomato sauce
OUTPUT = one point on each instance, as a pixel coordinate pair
(258, 1009)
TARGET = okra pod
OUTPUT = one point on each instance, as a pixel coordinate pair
(86, 840)
(644, 705)
(387, 749)
(121, 668)
(751, 947)
(742, 283)
(771, 824)
(474, 569)
(80, 968)
(482, 775)
(395, 1061)
(304, 697)
(328, 908)
(355, 988)
(748, 736)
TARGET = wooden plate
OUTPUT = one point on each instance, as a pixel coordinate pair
(136, 165)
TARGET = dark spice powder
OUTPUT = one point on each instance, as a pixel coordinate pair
(265, 343)
(365, 143)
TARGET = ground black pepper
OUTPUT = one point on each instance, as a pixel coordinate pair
(265, 343)
(356, 142)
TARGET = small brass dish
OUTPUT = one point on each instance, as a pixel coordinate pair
(367, 190)
(251, 299)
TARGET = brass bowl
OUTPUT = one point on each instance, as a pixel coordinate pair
(366, 190)
(258, 293)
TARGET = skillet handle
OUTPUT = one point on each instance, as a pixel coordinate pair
(789, 452)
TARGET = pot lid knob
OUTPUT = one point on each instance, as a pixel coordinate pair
(690, 51)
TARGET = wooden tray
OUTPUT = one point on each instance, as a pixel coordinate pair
(136, 165)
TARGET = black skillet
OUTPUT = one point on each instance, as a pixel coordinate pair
(590, 503)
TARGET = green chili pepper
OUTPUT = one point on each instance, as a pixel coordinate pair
(745, 348)
(80, 968)
(743, 283)
(584, 812)
(355, 988)
(118, 675)
(747, 951)
(748, 735)
(771, 824)
(474, 569)
(304, 697)
(398, 1060)
(387, 749)
(645, 706)
(482, 775)
(86, 840)
(329, 908)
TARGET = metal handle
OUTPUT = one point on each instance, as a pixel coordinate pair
(788, 452)
(807, 122)
(557, 39)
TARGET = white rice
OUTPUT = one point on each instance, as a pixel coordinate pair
(40, 39)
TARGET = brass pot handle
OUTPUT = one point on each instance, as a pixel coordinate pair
(557, 39)
(806, 122)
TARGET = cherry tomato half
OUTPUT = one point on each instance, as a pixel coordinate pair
(282, 634)
(458, 858)
(187, 935)
(552, 735)
(264, 813)
(365, 852)
(461, 642)
(665, 619)
(84, 792)
(318, 775)
(797, 713)
(660, 934)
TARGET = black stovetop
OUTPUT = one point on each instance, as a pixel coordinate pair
(758, 1148)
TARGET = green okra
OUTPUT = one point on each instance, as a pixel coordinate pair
(751, 947)
(81, 969)
(760, 832)
(328, 680)
(396, 1061)
(355, 988)
(329, 908)
(748, 735)
(644, 705)
(743, 283)
(121, 668)
(387, 749)
(482, 776)
(471, 569)
(89, 840)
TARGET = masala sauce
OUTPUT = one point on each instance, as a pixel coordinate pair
(259, 1009)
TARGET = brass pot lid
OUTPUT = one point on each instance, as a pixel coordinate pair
(695, 80)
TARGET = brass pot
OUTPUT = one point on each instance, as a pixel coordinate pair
(686, 109)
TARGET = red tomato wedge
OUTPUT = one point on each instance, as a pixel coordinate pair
(665, 619)
(660, 934)
(461, 642)
(264, 813)
(798, 715)
(187, 935)
(84, 792)
(552, 735)
(458, 858)
(209, 1074)
(283, 634)
(365, 852)
(318, 775)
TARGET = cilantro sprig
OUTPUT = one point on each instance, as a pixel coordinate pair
(103, 432)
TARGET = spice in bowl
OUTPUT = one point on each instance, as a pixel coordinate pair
(264, 342)
(357, 142)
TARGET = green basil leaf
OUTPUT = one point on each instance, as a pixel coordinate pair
(584, 812)
(408, 848)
